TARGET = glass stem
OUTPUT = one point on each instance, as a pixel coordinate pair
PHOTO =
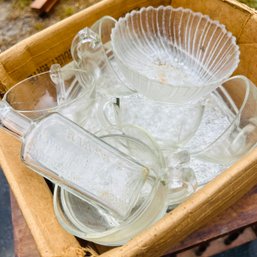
(176, 180)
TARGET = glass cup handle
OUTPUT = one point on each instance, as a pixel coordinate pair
(103, 116)
(239, 141)
(182, 179)
(86, 40)
(56, 77)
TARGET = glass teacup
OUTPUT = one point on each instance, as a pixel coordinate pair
(230, 129)
(68, 91)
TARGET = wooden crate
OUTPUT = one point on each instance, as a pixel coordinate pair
(36, 53)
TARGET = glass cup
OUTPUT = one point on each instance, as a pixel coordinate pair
(229, 127)
(173, 54)
(171, 126)
(68, 91)
(85, 221)
(91, 51)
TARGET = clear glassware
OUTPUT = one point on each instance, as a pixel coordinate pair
(182, 181)
(229, 130)
(68, 91)
(85, 221)
(91, 51)
(135, 132)
(80, 162)
(181, 177)
(171, 126)
(173, 54)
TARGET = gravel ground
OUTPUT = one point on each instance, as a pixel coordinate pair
(18, 20)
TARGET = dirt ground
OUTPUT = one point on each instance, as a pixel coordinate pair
(18, 20)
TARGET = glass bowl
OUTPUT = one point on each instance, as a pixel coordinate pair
(173, 55)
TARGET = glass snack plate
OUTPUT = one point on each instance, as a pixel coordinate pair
(173, 55)
(83, 220)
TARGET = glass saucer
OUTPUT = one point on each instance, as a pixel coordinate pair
(79, 217)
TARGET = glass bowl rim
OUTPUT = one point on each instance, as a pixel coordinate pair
(184, 10)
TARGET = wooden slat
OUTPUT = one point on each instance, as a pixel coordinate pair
(38, 4)
(49, 6)
(239, 215)
(43, 6)
(218, 246)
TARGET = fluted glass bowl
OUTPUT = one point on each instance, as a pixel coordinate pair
(173, 54)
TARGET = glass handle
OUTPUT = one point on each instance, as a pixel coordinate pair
(103, 27)
(103, 116)
(85, 42)
(245, 139)
(182, 184)
(182, 179)
(56, 77)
